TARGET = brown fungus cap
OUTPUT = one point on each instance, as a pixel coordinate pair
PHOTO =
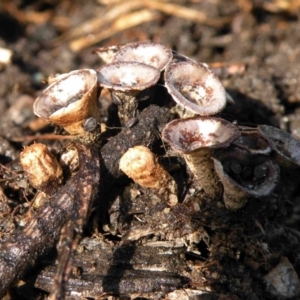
(193, 86)
(187, 135)
(152, 54)
(127, 76)
(70, 101)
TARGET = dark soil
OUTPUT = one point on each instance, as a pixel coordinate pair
(134, 245)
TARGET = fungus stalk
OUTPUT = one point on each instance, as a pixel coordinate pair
(196, 140)
(140, 164)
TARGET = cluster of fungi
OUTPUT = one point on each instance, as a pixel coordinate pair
(234, 162)
(230, 163)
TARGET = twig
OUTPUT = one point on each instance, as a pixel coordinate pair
(51, 136)
(94, 24)
(42, 232)
(122, 23)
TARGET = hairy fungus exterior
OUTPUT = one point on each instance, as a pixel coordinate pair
(196, 139)
(193, 86)
(140, 164)
(43, 170)
(70, 101)
(285, 146)
(283, 281)
(152, 54)
(244, 176)
(126, 80)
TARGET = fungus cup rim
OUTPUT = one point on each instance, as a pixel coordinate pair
(116, 70)
(188, 143)
(193, 73)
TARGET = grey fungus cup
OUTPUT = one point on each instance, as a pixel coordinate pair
(284, 145)
(196, 88)
(251, 140)
(245, 176)
(196, 139)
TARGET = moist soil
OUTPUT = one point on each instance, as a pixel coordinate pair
(134, 246)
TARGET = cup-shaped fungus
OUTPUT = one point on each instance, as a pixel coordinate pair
(126, 80)
(244, 176)
(196, 139)
(70, 102)
(193, 86)
(252, 141)
(152, 54)
(285, 146)
(141, 165)
(43, 170)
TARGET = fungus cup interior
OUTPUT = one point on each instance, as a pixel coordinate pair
(153, 54)
(187, 135)
(195, 87)
(64, 92)
(126, 76)
(253, 142)
(255, 173)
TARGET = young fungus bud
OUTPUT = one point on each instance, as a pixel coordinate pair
(71, 102)
(140, 164)
(41, 167)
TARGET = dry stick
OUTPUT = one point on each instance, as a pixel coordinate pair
(135, 18)
(124, 22)
(94, 24)
(178, 11)
(50, 136)
(72, 230)
(42, 232)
